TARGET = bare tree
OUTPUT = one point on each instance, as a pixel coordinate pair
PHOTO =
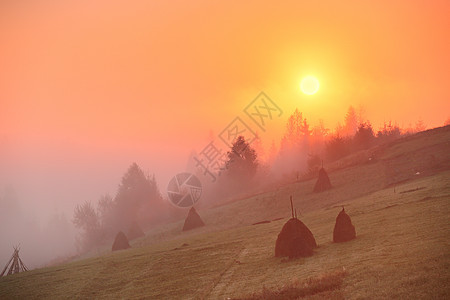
(86, 218)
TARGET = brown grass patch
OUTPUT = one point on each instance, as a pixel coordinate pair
(324, 286)
(413, 190)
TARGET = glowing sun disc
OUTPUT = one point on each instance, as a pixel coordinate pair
(309, 85)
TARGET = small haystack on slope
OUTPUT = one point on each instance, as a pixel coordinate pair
(193, 220)
(343, 229)
(120, 242)
(295, 239)
(135, 231)
(15, 264)
(323, 182)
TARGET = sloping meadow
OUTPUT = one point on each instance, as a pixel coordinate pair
(400, 251)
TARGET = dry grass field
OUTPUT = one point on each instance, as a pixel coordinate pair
(399, 202)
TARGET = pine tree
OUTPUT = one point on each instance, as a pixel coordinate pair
(136, 190)
(242, 159)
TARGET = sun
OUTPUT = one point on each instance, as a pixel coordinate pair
(309, 85)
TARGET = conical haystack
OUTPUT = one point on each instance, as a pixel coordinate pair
(295, 240)
(343, 229)
(193, 220)
(323, 182)
(120, 242)
(135, 231)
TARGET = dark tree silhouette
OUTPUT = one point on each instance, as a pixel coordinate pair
(338, 147)
(86, 218)
(388, 133)
(106, 214)
(241, 165)
(242, 160)
(364, 137)
(136, 190)
(138, 201)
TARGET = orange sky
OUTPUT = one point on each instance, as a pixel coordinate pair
(87, 88)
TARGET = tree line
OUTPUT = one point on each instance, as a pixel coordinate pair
(302, 149)
(138, 200)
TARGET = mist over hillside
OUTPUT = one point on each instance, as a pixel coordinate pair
(129, 122)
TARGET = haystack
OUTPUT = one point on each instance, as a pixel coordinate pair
(343, 229)
(120, 242)
(193, 220)
(135, 231)
(323, 182)
(295, 239)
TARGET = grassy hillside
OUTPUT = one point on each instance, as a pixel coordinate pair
(398, 201)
